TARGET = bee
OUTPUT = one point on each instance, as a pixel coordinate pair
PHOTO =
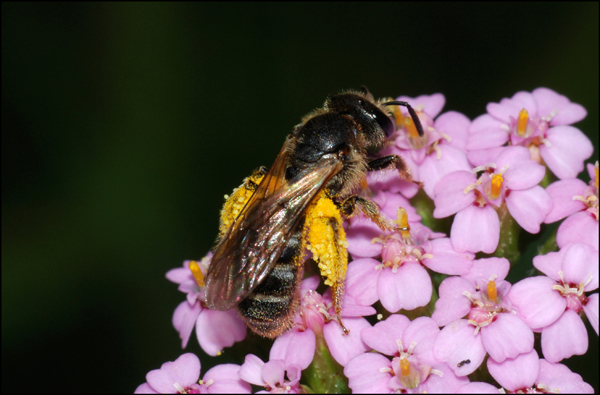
(299, 204)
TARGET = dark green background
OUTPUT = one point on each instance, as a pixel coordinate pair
(123, 125)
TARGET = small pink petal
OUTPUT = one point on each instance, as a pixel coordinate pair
(477, 387)
(516, 373)
(525, 100)
(447, 261)
(184, 371)
(429, 104)
(251, 370)
(433, 169)
(423, 331)
(382, 337)
(184, 320)
(476, 229)
(365, 374)
(591, 311)
(524, 175)
(457, 342)
(536, 302)
(529, 207)
(504, 110)
(452, 304)
(226, 380)
(450, 196)
(512, 156)
(345, 347)
(492, 138)
(550, 264)
(179, 275)
(455, 125)
(561, 192)
(360, 239)
(507, 337)
(564, 338)
(273, 372)
(361, 281)
(294, 347)
(550, 102)
(558, 378)
(580, 265)
(410, 287)
(578, 228)
(449, 383)
(219, 329)
(567, 151)
(145, 389)
(485, 268)
(483, 157)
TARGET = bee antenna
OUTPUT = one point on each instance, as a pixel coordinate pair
(411, 111)
(364, 90)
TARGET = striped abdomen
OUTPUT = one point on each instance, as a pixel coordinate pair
(269, 310)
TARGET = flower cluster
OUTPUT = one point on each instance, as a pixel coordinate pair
(428, 306)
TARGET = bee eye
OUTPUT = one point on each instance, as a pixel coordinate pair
(384, 122)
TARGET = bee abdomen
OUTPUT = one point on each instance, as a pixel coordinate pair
(269, 310)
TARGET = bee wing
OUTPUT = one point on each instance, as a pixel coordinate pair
(254, 242)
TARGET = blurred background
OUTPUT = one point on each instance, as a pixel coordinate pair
(123, 125)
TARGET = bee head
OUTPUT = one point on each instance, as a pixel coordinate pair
(361, 108)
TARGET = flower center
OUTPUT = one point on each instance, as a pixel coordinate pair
(496, 188)
(574, 294)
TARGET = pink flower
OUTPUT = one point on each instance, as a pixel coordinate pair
(215, 329)
(441, 150)
(317, 318)
(412, 367)
(399, 279)
(491, 326)
(552, 304)
(182, 376)
(512, 180)
(277, 376)
(579, 203)
(528, 374)
(537, 121)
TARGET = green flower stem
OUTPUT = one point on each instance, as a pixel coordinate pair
(424, 206)
(508, 246)
(324, 375)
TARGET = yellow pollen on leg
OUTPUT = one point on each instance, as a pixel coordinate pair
(522, 122)
(197, 273)
(497, 181)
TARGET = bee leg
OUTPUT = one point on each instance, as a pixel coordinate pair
(368, 207)
(390, 162)
(327, 242)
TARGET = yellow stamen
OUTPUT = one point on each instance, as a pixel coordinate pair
(491, 290)
(197, 273)
(522, 122)
(402, 222)
(410, 126)
(596, 174)
(404, 367)
(497, 180)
